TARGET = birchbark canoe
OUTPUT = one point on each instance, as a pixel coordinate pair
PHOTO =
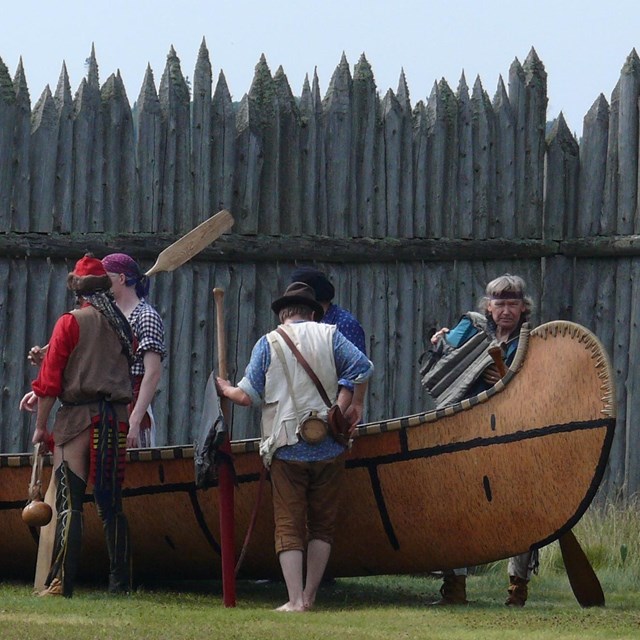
(483, 479)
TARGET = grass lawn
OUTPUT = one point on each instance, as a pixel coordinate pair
(359, 608)
(354, 608)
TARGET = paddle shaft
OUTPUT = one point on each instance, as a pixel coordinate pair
(225, 473)
(47, 537)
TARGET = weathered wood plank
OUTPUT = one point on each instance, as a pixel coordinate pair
(179, 427)
(518, 102)
(388, 198)
(629, 86)
(562, 170)
(264, 122)
(176, 211)
(502, 221)
(621, 301)
(88, 153)
(7, 124)
(119, 171)
(21, 191)
(405, 226)
(604, 328)
(483, 134)
(149, 155)
(364, 145)
(608, 224)
(338, 141)
(161, 296)
(63, 204)
(461, 224)
(556, 300)
(376, 319)
(247, 172)
(442, 135)
(223, 147)
(234, 247)
(632, 449)
(15, 350)
(201, 136)
(289, 185)
(529, 222)
(592, 161)
(313, 209)
(6, 410)
(421, 167)
(43, 154)
(250, 317)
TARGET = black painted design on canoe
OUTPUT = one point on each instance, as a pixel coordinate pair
(468, 445)
(487, 488)
(382, 508)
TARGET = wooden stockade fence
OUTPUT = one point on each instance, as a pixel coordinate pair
(409, 207)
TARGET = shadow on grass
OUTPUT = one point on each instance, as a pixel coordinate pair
(352, 593)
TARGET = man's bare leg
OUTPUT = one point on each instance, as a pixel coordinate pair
(318, 553)
(291, 564)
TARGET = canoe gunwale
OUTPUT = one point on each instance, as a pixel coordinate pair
(544, 331)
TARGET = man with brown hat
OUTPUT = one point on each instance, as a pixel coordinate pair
(306, 465)
(86, 367)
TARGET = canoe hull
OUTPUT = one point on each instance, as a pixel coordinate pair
(479, 481)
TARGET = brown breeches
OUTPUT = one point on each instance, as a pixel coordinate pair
(305, 501)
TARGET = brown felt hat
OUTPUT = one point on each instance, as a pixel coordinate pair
(298, 293)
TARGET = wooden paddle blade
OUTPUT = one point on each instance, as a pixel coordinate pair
(582, 578)
(192, 243)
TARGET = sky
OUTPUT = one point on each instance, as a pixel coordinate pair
(582, 44)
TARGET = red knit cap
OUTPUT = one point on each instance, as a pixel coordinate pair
(88, 276)
(89, 266)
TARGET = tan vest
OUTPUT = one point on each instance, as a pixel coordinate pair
(97, 368)
(279, 418)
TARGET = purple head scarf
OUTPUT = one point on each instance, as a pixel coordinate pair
(122, 263)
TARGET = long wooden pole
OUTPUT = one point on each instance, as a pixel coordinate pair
(225, 472)
(47, 537)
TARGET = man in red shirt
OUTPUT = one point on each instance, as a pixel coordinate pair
(86, 367)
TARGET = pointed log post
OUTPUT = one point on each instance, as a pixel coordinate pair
(225, 472)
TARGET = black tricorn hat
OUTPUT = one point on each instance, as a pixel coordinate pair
(298, 293)
(324, 290)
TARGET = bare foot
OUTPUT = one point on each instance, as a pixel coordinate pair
(288, 607)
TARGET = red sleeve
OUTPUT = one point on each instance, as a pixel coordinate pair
(63, 341)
